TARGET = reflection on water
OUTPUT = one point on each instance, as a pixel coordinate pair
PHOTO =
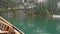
(37, 25)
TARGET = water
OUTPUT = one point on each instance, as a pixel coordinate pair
(37, 24)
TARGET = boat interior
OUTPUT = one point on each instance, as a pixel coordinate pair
(6, 27)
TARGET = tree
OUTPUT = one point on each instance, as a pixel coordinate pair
(6, 4)
(41, 8)
(52, 6)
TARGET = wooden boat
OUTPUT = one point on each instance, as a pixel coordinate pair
(8, 28)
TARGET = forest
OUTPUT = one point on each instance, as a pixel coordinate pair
(29, 7)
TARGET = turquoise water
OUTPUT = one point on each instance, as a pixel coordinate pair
(37, 24)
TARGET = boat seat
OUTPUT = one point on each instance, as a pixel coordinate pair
(11, 31)
(3, 26)
(6, 28)
(4, 32)
(0, 26)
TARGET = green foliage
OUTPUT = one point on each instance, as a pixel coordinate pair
(42, 8)
(6, 3)
(52, 6)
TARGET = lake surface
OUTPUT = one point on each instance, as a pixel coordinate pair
(37, 24)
